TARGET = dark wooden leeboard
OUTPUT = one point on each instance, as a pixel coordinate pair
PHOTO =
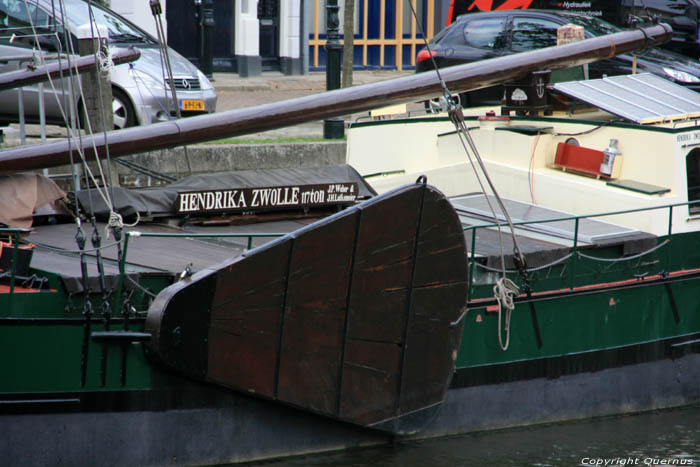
(355, 317)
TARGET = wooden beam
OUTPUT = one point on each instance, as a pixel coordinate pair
(340, 102)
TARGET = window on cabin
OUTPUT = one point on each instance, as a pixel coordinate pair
(692, 167)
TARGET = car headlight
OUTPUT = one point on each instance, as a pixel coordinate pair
(681, 76)
(204, 82)
(147, 80)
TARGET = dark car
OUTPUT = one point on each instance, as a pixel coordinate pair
(681, 15)
(480, 36)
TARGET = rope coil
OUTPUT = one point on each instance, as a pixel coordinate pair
(505, 292)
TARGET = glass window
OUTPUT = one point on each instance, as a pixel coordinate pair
(486, 33)
(119, 30)
(17, 18)
(533, 33)
(692, 167)
(592, 26)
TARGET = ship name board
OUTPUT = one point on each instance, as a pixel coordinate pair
(690, 137)
(252, 199)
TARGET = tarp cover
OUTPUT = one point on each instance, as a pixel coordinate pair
(160, 201)
(22, 193)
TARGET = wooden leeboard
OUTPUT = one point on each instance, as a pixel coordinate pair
(355, 317)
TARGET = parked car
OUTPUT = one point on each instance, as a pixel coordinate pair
(140, 96)
(479, 36)
(682, 15)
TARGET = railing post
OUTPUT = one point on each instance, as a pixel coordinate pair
(22, 126)
(574, 256)
(13, 261)
(472, 255)
(122, 272)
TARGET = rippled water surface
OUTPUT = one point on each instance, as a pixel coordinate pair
(669, 437)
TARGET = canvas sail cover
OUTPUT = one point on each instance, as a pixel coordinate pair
(162, 201)
(22, 194)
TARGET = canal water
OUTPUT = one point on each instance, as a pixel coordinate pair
(669, 437)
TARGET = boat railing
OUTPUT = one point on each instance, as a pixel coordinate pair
(249, 235)
(16, 233)
(122, 261)
(572, 258)
(15, 236)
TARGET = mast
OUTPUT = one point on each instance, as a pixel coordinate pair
(334, 103)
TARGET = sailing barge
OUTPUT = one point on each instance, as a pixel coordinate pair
(373, 322)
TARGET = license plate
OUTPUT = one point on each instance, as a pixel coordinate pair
(191, 104)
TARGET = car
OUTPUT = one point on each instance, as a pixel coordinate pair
(681, 15)
(140, 96)
(480, 36)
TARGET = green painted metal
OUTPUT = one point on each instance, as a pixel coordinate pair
(42, 332)
(573, 258)
(46, 356)
(595, 319)
(639, 187)
(528, 120)
(13, 267)
(16, 239)
(41, 337)
(582, 324)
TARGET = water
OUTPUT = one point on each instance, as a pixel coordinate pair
(670, 437)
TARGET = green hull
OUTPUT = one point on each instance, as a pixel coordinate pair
(626, 331)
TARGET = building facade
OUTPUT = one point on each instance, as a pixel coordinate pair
(387, 35)
(251, 36)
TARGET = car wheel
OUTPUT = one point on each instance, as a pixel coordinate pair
(122, 110)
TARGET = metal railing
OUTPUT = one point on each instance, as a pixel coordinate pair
(15, 233)
(34, 61)
(576, 219)
(122, 261)
(15, 236)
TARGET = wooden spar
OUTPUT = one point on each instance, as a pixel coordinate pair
(334, 103)
(15, 79)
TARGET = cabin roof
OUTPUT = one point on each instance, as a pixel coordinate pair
(642, 98)
(56, 249)
(541, 243)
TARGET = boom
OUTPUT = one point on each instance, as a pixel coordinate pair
(334, 103)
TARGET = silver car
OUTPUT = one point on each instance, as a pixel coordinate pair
(140, 96)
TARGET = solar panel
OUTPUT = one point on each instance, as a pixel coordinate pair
(642, 98)
(590, 230)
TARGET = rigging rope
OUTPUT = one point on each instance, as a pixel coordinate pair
(505, 292)
(505, 289)
(104, 63)
(539, 268)
(626, 258)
